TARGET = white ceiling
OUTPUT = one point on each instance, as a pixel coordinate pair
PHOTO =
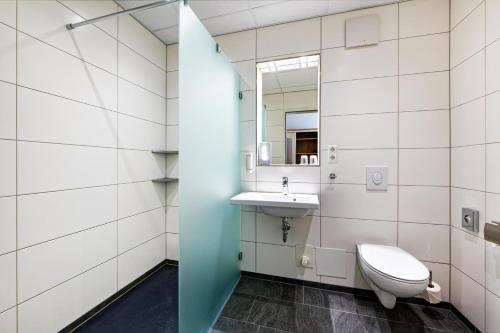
(226, 16)
(288, 81)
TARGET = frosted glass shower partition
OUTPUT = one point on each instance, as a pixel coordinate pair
(209, 175)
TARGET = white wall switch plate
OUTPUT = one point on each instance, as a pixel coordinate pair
(376, 178)
(307, 253)
(331, 262)
(332, 154)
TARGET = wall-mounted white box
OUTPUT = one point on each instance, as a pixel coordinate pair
(362, 30)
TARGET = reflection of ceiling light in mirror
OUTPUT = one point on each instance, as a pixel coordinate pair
(289, 64)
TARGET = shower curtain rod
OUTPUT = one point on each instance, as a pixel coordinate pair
(72, 26)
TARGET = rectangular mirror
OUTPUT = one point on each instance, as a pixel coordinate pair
(288, 111)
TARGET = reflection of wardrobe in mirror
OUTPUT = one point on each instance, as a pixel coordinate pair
(301, 136)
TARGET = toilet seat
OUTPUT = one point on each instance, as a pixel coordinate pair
(393, 263)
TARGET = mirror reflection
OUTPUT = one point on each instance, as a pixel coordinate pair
(288, 111)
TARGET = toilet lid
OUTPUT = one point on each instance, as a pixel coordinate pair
(394, 262)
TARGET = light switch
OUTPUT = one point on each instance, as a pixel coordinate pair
(376, 178)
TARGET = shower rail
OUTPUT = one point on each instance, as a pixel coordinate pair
(72, 26)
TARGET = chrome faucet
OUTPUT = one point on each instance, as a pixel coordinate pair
(285, 185)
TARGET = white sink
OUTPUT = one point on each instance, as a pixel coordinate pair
(278, 204)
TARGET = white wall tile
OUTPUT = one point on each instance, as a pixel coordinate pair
(461, 198)
(492, 19)
(137, 261)
(304, 230)
(173, 84)
(7, 224)
(248, 136)
(492, 310)
(248, 106)
(137, 165)
(172, 57)
(137, 229)
(467, 254)
(468, 167)
(61, 259)
(467, 80)
(239, 46)
(172, 138)
(50, 215)
(294, 37)
(360, 63)
(493, 117)
(360, 131)
(136, 198)
(279, 260)
(172, 198)
(140, 71)
(424, 54)
(467, 38)
(45, 68)
(136, 101)
(493, 67)
(428, 91)
(460, 9)
(46, 20)
(8, 12)
(89, 9)
(492, 266)
(428, 242)
(248, 74)
(173, 247)
(8, 168)
(8, 55)
(424, 204)
(492, 167)
(354, 201)
(425, 129)
(172, 219)
(347, 233)
(423, 17)
(8, 321)
(467, 123)
(441, 275)
(60, 306)
(424, 167)
(468, 297)
(172, 111)
(47, 167)
(7, 111)
(248, 261)
(248, 221)
(333, 26)
(135, 36)
(140, 134)
(351, 165)
(172, 167)
(341, 98)
(7, 281)
(40, 118)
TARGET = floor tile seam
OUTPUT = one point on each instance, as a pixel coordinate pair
(258, 325)
(391, 320)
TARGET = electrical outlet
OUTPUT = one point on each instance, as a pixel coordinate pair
(332, 154)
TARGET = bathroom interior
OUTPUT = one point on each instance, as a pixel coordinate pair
(260, 166)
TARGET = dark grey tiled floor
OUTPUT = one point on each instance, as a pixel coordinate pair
(262, 306)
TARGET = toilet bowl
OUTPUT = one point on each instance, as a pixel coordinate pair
(391, 272)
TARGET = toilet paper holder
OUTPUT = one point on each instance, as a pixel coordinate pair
(492, 232)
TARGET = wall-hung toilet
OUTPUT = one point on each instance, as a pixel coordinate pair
(391, 272)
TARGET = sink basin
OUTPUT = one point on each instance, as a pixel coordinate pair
(278, 204)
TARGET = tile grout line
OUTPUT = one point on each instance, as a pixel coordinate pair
(117, 150)
(17, 173)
